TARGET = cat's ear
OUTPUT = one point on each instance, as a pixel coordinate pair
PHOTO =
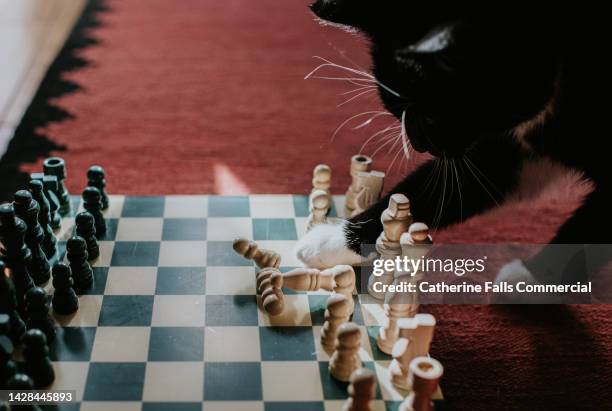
(353, 13)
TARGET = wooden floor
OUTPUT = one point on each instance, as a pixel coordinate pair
(32, 32)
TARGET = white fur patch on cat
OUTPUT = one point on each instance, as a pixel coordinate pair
(514, 272)
(325, 246)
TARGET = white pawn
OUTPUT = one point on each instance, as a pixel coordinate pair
(345, 359)
(361, 391)
(337, 312)
(425, 374)
(321, 178)
(320, 203)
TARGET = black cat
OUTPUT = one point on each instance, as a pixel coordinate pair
(496, 86)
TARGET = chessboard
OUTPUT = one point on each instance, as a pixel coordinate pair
(173, 321)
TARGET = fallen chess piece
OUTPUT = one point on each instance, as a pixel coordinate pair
(345, 359)
(269, 283)
(361, 391)
(250, 251)
(337, 312)
(55, 166)
(425, 374)
(359, 163)
(370, 187)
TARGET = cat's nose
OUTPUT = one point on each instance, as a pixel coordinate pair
(345, 12)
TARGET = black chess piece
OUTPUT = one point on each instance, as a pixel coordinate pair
(86, 228)
(49, 243)
(27, 209)
(50, 187)
(55, 166)
(82, 274)
(96, 178)
(65, 300)
(7, 366)
(22, 382)
(36, 355)
(37, 313)
(16, 254)
(8, 306)
(92, 202)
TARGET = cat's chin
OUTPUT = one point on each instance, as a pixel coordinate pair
(325, 246)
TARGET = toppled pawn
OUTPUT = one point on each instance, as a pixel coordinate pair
(37, 361)
(27, 209)
(86, 228)
(269, 283)
(7, 366)
(82, 274)
(345, 359)
(337, 312)
(65, 300)
(361, 391)
(250, 251)
(22, 382)
(55, 166)
(92, 202)
(37, 312)
(49, 243)
(96, 178)
(8, 306)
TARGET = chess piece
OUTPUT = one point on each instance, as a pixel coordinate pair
(339, 279)
(359, 163)
(250, 251)
(85, 227)
(370, 186)
(65, 300)
(361, 391)
(36, 355)
(8, 306)
(27, 209)
(396, 308)
(337, 312)
(425, 374)
(55, 166)
(16, 254)
(395, 220)
(22, 382)
(50, 188)
(321, 178)
(37, 313)
(92, 202)
(320, 203)
(414, 340)
(82, 274)
(269, 283)
(49, 243)
(96, 178)
(7, 366)
(345, 359)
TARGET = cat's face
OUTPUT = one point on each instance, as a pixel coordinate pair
(456, 73)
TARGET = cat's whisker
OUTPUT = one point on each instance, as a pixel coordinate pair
(469, 167)
(378, 133)
(404, 136)
(458, 179)
(352, 80)
(357, 90)
(363, 93)
(389, 139)
(348, 120)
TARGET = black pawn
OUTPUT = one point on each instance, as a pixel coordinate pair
(55, 166)
(7, 366)
(27, 209)
(76, 252)
(36, 356)
(65, 300)
(8, 306)
(16, 254)
(96, 178)
(49, 243)
(22, 382)
(37, 312)
(86, 228)
(92, 202)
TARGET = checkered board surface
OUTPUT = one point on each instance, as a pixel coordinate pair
(172, 322)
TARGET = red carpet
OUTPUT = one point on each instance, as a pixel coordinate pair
(203, 96)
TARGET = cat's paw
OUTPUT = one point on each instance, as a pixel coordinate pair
(325, 246)
(514, 272)
(517, 272)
